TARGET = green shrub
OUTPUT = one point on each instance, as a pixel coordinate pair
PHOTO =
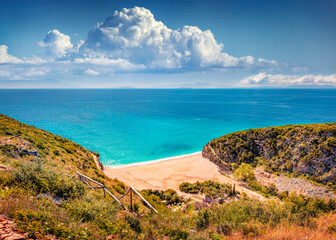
(244, 172)
(39, 223)
(134, 223)
(225, 228)
(45, 180)
(5, 192)
(203, 218)
(176, 233)
(8, 150)
(189, 188)
(208, 188)
(246, 210)
(91, 206)
(168, 196)
(250, 229)
(119, 187)
(56, 152)
(264, 190)
(304, 207)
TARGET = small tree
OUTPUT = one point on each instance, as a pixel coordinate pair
(244, 172)
(203, 219)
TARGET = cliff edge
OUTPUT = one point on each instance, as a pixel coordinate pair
(300, 150)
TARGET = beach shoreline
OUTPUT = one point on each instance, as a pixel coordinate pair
(169, 173)
(118, 166)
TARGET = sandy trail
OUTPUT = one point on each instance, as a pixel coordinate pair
(169, 174)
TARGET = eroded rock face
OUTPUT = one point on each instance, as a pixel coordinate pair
(301, 149)
(8, 230)
(302, 186)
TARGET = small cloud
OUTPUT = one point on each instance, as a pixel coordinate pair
(22, 71)
(4, 73)
(120, 64)
(34, 60)
(31, 72)
(91, 72)
(280, 80)
(7, 58)
(56, 44)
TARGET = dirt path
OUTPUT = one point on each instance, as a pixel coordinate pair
(96, 159)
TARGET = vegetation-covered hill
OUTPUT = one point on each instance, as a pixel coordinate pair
(308, 150)
(23, 142)
(39, 187)
(40, 192)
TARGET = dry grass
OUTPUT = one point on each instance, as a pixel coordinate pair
(325, 230)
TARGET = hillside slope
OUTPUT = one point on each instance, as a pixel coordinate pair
(23, 142)
(308, 150)
(41, 198)
(38, 184)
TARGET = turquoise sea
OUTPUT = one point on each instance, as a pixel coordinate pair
(137, 125)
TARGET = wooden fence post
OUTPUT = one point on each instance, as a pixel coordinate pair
(143, 199)
(131, 200)
(131, 190)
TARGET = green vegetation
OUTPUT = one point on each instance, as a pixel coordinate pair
(40, 179)
(41, 191)
(209, 188)
(169, 197)
(266, 191)
(53, 203)
(19, 142)
(43, 196)
(297, 150)
(244, 172)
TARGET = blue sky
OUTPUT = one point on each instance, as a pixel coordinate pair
(168, 43)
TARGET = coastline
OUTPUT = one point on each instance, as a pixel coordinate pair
(169, 173)
(118, 166)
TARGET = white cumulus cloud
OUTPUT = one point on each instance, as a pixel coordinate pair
(57, 44)
(91, 72)
(129, 40)
(264, 79)
(135, 35)
(7, 58)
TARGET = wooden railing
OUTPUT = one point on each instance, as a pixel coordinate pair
(131, 190)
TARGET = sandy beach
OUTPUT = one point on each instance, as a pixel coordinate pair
(170, 173)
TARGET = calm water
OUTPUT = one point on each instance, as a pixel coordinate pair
(129, 126)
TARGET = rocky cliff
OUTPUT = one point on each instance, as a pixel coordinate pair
(308, 150)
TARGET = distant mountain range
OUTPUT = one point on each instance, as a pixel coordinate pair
(23, 84)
